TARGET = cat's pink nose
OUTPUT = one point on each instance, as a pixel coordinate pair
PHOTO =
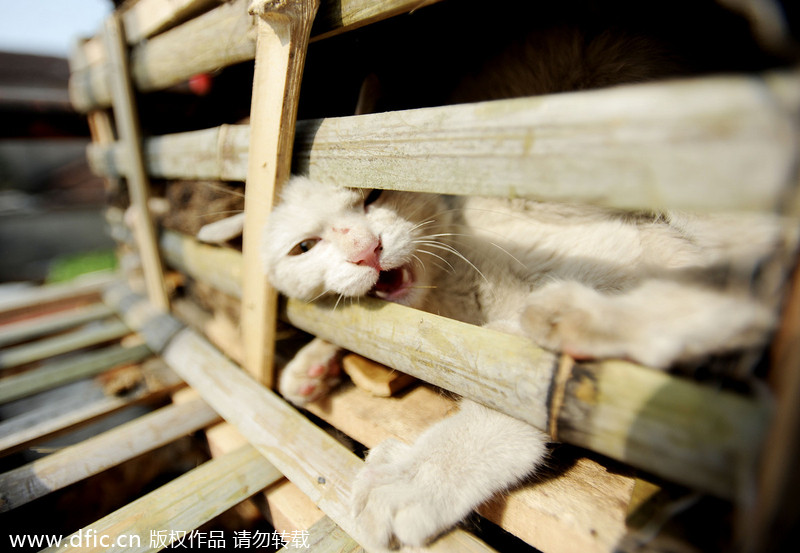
(369, 255)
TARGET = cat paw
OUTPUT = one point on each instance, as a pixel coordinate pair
(313, 372)
(399, 498)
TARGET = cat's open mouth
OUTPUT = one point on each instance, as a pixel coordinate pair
(393, 284)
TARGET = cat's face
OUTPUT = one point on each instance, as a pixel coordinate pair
(322, 239)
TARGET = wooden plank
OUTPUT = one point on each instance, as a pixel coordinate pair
(80, 290)
(69, 370)
(325, 537)
(48, 324)
(683, 144)
(63, 343)
(583, 510)
(319, 465)
(98, 453)
(35, 426)
(283, 33)
(224, 36)
(650, 419)
(173, 510)
(124, 104)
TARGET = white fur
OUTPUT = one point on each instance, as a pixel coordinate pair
(655, 289)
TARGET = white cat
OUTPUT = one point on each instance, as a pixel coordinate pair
(654, 288)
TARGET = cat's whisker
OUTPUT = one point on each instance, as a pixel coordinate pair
(337, 302)
(234, 211)
(448, 248)
(452, 269)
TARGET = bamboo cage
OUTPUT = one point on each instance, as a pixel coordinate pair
(644, 451)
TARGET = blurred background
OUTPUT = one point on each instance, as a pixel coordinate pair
(51, 223)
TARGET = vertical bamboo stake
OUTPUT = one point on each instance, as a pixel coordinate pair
(283, 32)
(138, 185)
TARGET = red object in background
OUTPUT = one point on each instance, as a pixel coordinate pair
(200, 84)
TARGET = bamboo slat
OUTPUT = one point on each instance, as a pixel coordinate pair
(127, 123)
(46, 422)
(69, 370)
(13, 333)
(714, 143)
(221, 37)
(82, 289)
(283, 32)
(173, 510)
(64, 343)
(146, 18)
(673, 427)
(313, 460)
(98, 453)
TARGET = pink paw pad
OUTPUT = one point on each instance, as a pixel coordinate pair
(307, 389)
(316, 371)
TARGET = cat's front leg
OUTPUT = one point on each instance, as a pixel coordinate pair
(313, 372)
(410, 494)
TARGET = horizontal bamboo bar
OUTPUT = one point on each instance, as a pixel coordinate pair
(28, 329)
(221, 37)
(174, 510)
(47, 422)
(675, 428)
(80, 289)
(98, 453)
(313, 460)
(64, 343)
(709, 144)
(69, 370)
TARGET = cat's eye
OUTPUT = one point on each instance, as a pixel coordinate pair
(304, 246)
(373, 196)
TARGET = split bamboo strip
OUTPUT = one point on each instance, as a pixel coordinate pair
(63, 343)
(21, 331)
(713, 143)
(313, 460)
(35, 426)
(173, 511)
(221, 37)
(69, 370)
(220, 267)
(675, 428)
(138, 183)
(283, 32)
(81, 289)
(98, 453)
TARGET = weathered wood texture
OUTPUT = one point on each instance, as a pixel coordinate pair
(53, 297)
(224, 36)
(582, 510)
(21, 331)
(62, 372)
(715, 143)
(64, 343)
(283, 31)
(49, 421)
(313, 460)
(127, 123)
(173, 510)
(96, 454)
(675, 428)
